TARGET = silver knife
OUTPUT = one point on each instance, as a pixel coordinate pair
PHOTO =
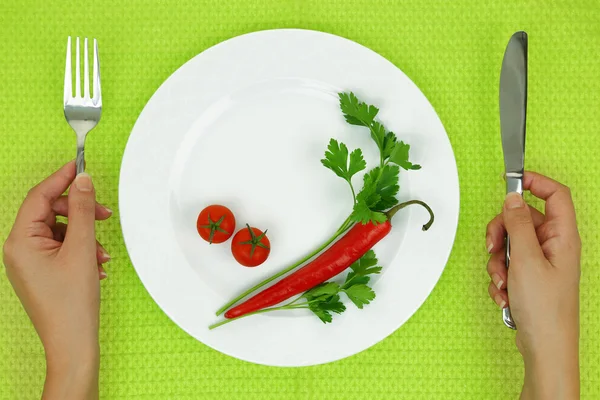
(513, 108)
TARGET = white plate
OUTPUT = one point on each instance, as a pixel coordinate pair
(245, 124)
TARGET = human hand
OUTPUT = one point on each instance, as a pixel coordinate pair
(55, 271)
(543, 284)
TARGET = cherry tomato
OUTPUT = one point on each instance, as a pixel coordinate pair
(250, 246)
(215, 223)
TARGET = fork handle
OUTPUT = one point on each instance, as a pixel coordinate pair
(514, 183)
(80, 160)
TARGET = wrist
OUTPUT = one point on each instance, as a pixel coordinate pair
(75, 354)
(552, 370)
(82, 361)
(72, 375)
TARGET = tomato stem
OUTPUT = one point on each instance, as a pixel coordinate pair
(214, 226)
(342, 229)
(255, 241)
(390, 213)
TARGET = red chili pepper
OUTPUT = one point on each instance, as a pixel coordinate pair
(333, 261)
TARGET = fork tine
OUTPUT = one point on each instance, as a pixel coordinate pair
(86, 71)
(68, 80)
(77, 71)
(97, 90)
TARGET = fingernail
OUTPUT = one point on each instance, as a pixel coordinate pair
(103, 252)
(83, 182)
(490, 245)
(497, 281)
(498, 299)
(103, 275)
(108, 210)
(514, 200)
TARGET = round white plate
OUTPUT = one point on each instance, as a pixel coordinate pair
(245, 124)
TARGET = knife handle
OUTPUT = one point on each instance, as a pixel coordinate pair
(514, 183)
(506, 317)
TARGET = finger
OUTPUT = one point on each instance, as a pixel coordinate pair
(81, 236)
(496, 268)
(101, 272)
(60, 231)
(519, 225)
(37, 205)
(101, 254)
(500, 296)
(496, 231)
(61, 207)
(559, 204)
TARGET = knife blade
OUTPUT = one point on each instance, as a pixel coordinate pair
(513, 110)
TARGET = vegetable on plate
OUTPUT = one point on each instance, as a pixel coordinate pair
(215, 224)
(369, 222)
(250, 246)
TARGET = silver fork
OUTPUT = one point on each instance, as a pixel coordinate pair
(82, 112)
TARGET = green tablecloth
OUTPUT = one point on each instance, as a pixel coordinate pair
(455, 346)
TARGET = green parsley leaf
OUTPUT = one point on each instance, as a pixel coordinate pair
(378, 194)
(400, 156)
(368, 193)
(336, 159)
(378, 133)
(326, 289)
(356, 280)
(355, 286)
(363, 214)
(386, 186)
(366, 199)
(333, 304)
(360, 295)
(361, 268)
(323, 309)
(323, 315)
(356, 112)
(366, 264)
(389, 142)
(357, 162)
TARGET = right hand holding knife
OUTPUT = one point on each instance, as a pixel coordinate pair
(542, 281)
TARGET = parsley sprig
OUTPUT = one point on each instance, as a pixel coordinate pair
(359, 113)
(380, 184)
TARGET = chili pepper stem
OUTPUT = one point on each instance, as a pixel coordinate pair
(390, 213)
(342, 229)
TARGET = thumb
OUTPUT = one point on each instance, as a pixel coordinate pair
(81, 234)
(519, 226)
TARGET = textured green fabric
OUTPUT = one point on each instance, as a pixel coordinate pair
(455, 346)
